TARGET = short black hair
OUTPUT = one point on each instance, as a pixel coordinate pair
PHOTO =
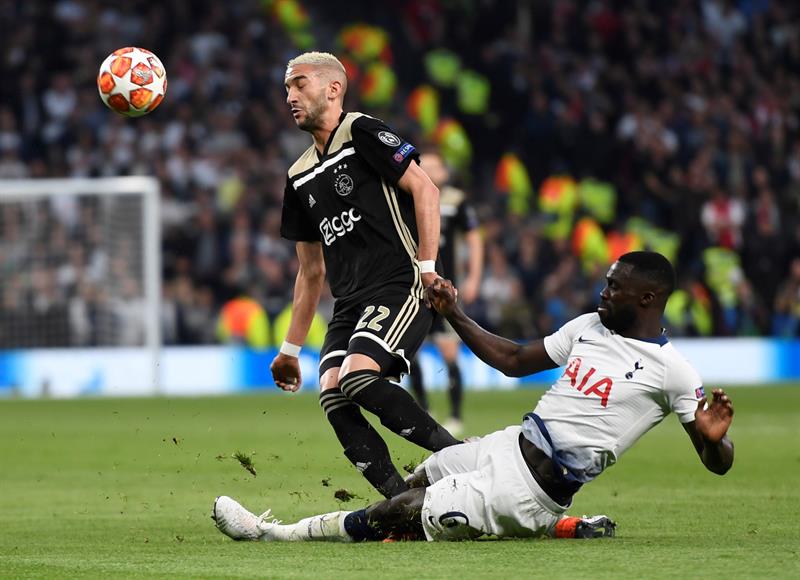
(653, 267)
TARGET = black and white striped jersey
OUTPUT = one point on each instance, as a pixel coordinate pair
(347, 198)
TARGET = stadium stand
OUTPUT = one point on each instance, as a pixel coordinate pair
(582, 129)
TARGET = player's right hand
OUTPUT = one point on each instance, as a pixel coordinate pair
(429, 278)
(714, 419)
(442, 296)
(286, 372)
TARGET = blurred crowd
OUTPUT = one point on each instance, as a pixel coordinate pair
(688, 111)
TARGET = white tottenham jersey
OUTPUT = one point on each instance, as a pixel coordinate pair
(613, 390)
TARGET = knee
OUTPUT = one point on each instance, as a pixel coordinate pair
(418, 479)
(449, 350)
(329, 379)
(357, 362)
(410, 502)
(330, 397)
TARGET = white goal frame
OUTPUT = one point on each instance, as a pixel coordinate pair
(150, 190)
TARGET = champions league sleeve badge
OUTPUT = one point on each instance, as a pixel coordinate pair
(389, 139)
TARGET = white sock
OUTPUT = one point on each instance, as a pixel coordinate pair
(324, 527)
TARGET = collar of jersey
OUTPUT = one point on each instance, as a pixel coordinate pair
(660, 340)
(330, 138)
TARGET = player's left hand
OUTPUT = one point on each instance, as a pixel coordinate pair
(713, 422)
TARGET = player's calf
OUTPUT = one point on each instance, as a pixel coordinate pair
(396, 409)
(362, 444)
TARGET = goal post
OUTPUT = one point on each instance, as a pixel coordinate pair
(80, 265)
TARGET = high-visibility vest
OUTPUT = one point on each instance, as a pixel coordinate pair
(653, 238)
(243, 320)
(690, 308)
(422, 105)
(454, 143)
(316, 333)
(472, 93)
(511, 178)
(366, 43)
(723, 271)
(294, 19)
(621, 243)
(442, 66)
(377, 85)
(599, 198)
(558, 196)
(290, 14)
(589, 244)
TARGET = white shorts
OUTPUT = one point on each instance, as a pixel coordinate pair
(485, 487)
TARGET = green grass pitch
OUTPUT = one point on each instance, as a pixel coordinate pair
(124, 488)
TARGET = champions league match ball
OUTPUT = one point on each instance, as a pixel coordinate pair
(132, 81)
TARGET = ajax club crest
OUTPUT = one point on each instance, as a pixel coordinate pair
(342, 183)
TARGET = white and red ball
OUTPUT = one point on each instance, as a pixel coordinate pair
(132, 81)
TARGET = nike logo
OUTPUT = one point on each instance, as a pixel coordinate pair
(582, 340)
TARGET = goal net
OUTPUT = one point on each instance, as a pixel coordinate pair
(80, 265)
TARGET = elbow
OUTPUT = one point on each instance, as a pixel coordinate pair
(720, 469)
(512, 368)
(426, 196)
(513, 365)
(430, 193)
(318, 278)
(720, 462)
(314, 275)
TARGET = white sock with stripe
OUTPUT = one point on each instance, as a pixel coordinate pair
(320, 528)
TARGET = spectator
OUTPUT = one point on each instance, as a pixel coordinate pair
(786, 321)
(723, 218)
(688, 111)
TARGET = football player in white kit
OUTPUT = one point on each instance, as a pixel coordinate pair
(622, 377)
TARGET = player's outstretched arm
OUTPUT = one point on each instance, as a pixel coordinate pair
(307, 289)
(426, 209)
(709, 432)
(510, 358)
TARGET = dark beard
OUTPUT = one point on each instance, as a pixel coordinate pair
(308, 124)
(313, 115)
(620, 319)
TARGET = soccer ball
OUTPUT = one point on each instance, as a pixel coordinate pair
(132, 81)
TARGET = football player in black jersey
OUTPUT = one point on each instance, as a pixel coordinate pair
(458, 218)
(361, 210)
